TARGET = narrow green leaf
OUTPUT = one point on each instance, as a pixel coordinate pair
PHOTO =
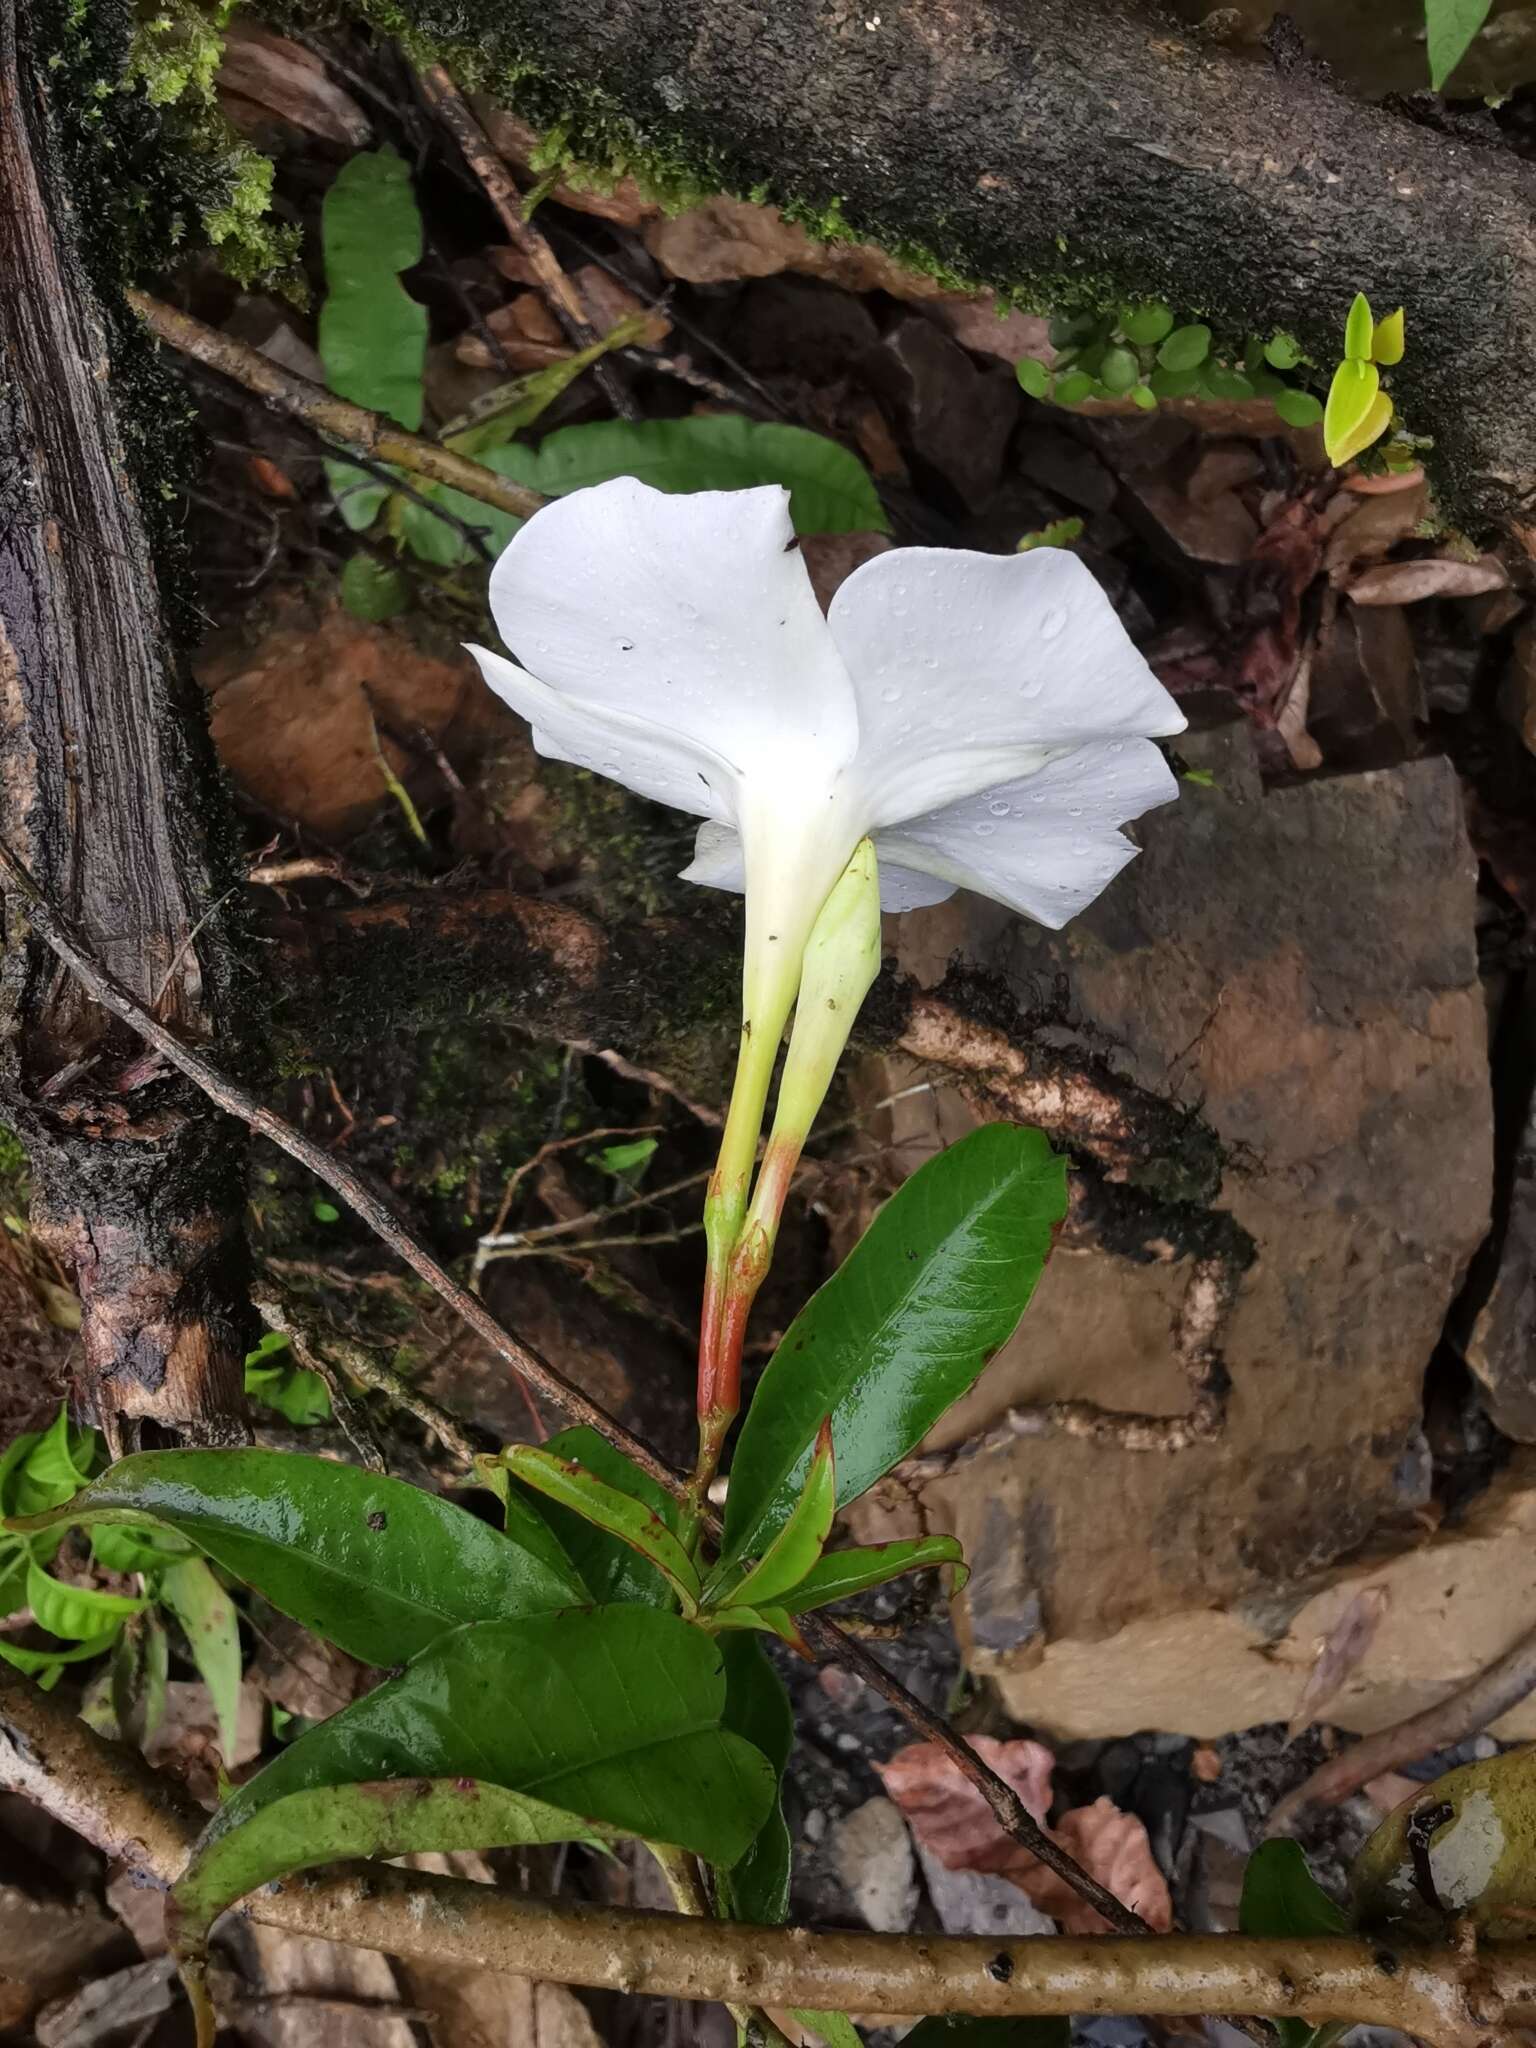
(569, 1484)
(756, 1887)
(622, 1160)
(75, 1612)
(37, 1663)
(135, 1550)
(612, 1573)
(613, 1713)
(392, 1817)
(1451, 26)
(794, 1551)
(379, 1567)
(768, 1621)
(842, 1573)
(1185, 349)
(1359, 329)
(373, 590)
(138, 1678)
(373, 334)
(937, 1283)
(208, 1621)
(513, 407)
(830, 489)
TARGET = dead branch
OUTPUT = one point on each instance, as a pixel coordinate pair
(352, 429)
(1504, 1684)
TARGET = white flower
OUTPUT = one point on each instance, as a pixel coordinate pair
(983, 718)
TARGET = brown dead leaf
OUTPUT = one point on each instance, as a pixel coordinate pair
(1439, 576)
(950, 1817)
(271, 481)
(275, 76)
(608, 302)
(945, 1810)
(1205, 1764)
(1363, 530)
(1338, 1655)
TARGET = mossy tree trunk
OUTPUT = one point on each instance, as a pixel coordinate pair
(138, 1185)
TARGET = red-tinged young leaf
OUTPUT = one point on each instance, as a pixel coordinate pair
(572, 1486)
(612, 1573)
(798, 1545)
(842, 1573)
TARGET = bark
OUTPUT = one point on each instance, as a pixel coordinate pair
(138, 1184)
(1082, 151)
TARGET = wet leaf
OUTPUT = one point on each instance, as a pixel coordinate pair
(903, 1328)
(1465, 1844)
(830, 489)
(619, 1514)
(756, 1888)
(207, 1616)
(794, 1551)
(610, 1571)
(378, 1567)
(842, 1573)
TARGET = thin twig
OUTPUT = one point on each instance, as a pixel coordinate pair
(1504, 1684)
(108, 1794)
(565, 302)
(351, 429)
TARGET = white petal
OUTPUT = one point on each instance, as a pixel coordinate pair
(668, 767)
(718, 863)
(969, 669)
(693, 610)
(1047, 845)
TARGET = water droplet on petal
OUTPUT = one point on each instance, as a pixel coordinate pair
(891, 694)
(998, 807)
(1075, 811)
(1052, 619)
(984, 830)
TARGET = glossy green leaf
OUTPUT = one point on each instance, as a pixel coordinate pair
(379, 1567)
(1451, 27)
(1144, 396)
(612, 1712)
(631, 1521)
(611, 1573)
(903, 1328)
(1389, 340)
(797, 1546)
(208, 1621)
(842, 1573)
(1282, 351)
(1282, 1898)
(1351, 397)
(372, 333)
(1146, 325)
(1034, 376)
(1359, 329)
(835, 2028)
(962, 2031)
(1298, 408)
(830, 489)
(768, 1621)
(1463, 1845)
(53, 1468)
(393, 1817)
(1073, 388)
(374, 590)
(40, 1663)
(1186, 348)
(117, 1549)
(1120, 369)
(75, 1612)
(756, 1888)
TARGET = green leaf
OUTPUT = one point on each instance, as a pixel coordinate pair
(611, 1573)
(1451, 26)
(1144, 396)
(1173, 383)
(769, 1621)
(613, 1713)
(393, 1817)
(359, 495)
(514, 406)
(135, 1550)
(1185, 349)
(963, 2032)
(842, 1573)
(623, 1159)
(54, 1468)
(1073, 388)
(830, 489)
(1230, 384)
(1059, 534)
(1282, 1898)
(1120, 369)
(1389, 339)
(1352, 398)
(1034, 376)
(42, 1663)
(1464, 1845)
(208, 1621)
(15, 1455)
(1282, 351)
(373, 590)
(379, 1567)
(581, 1492)
(373, 334)
(1146, 325)
(1359, 330)
(794, 1551)
(75, 1612)
(1298, 408)
(936, 1284)
(835, 2028)
(756, 1888)
(138, 1677)
(292, 1391)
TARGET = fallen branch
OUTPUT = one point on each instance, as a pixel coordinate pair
(353, 429)
(1467, 1711)
(110, 1796)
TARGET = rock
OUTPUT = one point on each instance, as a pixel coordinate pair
(1067, 468)
(1211, 532)
(976, 1902)
(955, 417)
(977, 325)
(1517, 686)
(1501, 1345)
(620, 201)
(1302, 963)
(872, 1851)
(1366, 698)
(809, 330)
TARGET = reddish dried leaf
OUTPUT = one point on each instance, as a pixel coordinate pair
(1345, 1645)
(268, 478)
(279, 77)
(945, 1810)
(1111, 1846)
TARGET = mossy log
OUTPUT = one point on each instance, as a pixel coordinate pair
(105, 793)
(1070, 151)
